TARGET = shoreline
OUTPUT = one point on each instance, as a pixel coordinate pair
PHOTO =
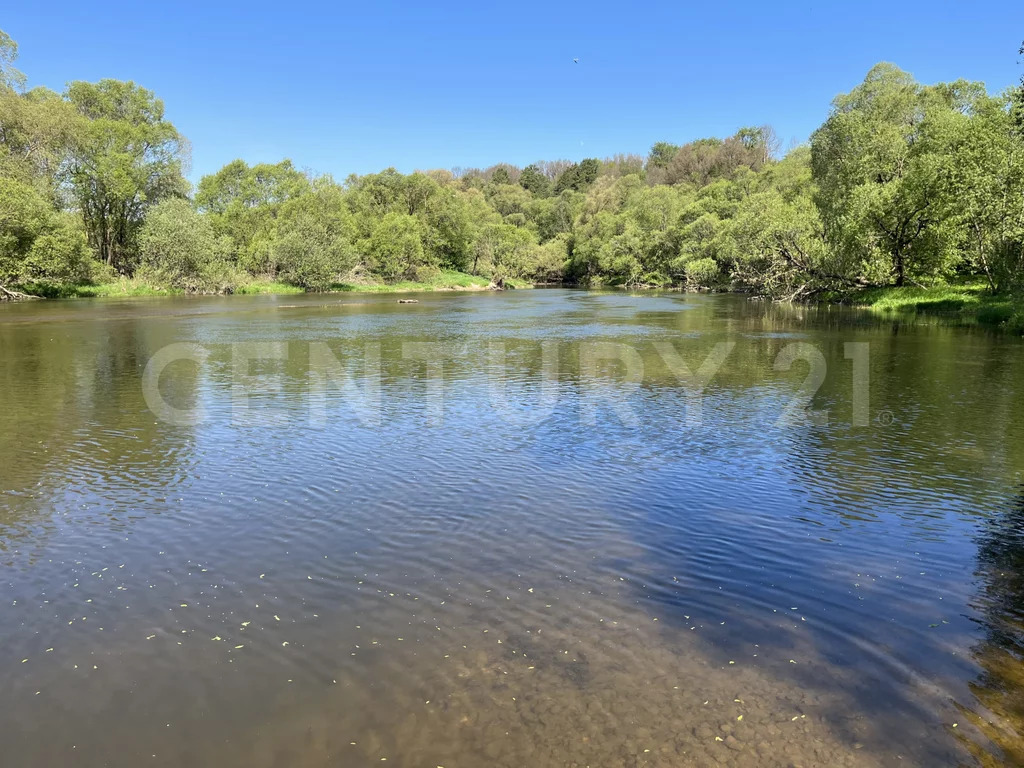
(135, 288)
(969, 304)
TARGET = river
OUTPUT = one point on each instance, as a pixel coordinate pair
(547, 528)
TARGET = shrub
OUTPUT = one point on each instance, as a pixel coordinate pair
(702, 273)
(178, 249)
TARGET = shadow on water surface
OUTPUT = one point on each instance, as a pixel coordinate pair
(999, 686)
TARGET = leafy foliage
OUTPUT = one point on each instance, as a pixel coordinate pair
(904, 184)
(124, 158)
(178, 248)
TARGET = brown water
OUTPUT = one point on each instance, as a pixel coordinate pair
(505, 550)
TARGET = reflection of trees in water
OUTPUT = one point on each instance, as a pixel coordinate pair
(76, 427)
(1000, 685)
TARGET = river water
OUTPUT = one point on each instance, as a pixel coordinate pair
(546, 528)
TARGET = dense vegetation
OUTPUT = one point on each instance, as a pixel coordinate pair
(905, 184)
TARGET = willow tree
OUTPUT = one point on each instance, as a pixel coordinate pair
(126, 157)
(879, 166)
(244, 203)
(39, 243)
(986, 179)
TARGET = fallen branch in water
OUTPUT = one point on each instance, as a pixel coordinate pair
(6, 294)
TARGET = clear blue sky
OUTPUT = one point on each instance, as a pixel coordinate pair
(356, 89)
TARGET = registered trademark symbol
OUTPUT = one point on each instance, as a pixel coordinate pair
(885, 418)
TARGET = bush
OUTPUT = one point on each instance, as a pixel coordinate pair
(702, 273)
(311, 256)
(60, 254)
(179, 249)
(38, 244)
(396, 248)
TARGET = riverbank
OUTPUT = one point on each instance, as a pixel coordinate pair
(133, 287)
(967, 303)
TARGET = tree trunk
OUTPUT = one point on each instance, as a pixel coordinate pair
(901, 274)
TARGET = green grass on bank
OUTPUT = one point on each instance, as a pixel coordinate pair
(130, 287)
(444, 281)
(125, 287)
(255, 287)
(968, 303)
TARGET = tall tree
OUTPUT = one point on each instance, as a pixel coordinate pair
(984, 175)
(579, 176)
(126, 157)
(878, 163)
(38, 242)
(244, 203)
(534, 181)
(9, 76)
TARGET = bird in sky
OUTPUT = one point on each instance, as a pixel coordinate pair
(575, 61)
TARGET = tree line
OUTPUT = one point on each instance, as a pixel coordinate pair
(904, 183)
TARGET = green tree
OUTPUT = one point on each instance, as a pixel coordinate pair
(1017, 101)
(984, 175)
(9, 76)
(315, 238)
(395, 249)
(579, 176)
(179, 248)
(878, 163)
(533, 180)
(500, 176)
(661, 154)
(441, 213)
(126, 157)
(504, 250)
(778, 248)
(37, 243)
(244, 203)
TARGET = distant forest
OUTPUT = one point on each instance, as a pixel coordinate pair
(903, 184)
